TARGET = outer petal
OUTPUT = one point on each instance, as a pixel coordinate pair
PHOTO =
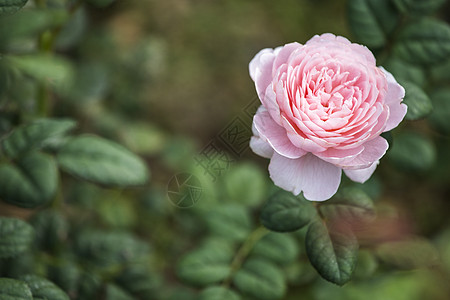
(393, 99)
(283, 54)
(275, 135)
(373, 151)
(340, 157)
(261, 147)
(361, 175)
(317, 179)
(260, 69)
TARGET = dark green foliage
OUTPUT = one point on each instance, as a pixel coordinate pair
(11, 6)
(31, 182)
(106, 249)
(413, 152)
(418, 7)
(277, 247)
(11, 289)
(218, 293)
(26, 24)
(45, 68)
(101, 161)
(351, 205)
(51, 230)
(229, 221)
(66, 275)
(245, 184)
(405, 72)
(424, 42)
(372, 21)
(139, 280)
(409, 253)
(285, 212)
(42, 289)
(137, 72)
(114, 292)
(419, 105)
(332, 250)
(207, 265)
(440, 117)
(16, 237)
(260, 279)
(34, 136)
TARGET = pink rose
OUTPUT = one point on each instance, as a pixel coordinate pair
(324, 106)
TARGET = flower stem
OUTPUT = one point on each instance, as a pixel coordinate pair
(244, 251)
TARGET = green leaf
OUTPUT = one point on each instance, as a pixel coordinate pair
(28, 23)
(72, 32)
(404, 71)
(11, 6)
(408, 254)
(16, 237)
(51, 229)
(218, 293)
(142, 137)
(350, 205)
(32, 182)
(42, 289)
(371, 21)
(11, 289)
(332, 252)
(230, 221)
(90, 286)
(280, 248)
(117, 211)
(260, 279)
(424, 42)
(109, 248)
(284, 212)
(19, 265)
(101, 161)
(367, 265)
(113, 292)
(66, 274)
(55, 70)
(34, 135)
(440, 74)
(419, 105)
(418, 7)
(245, 184)
(207, 265)
(440, 117)
(412, 152)
(138, 279)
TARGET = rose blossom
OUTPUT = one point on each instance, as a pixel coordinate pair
(324, 106)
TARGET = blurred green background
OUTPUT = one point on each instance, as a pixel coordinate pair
(165, 79)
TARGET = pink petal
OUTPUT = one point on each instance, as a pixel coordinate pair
(283, 54)
(317, 179)
(393, 99)
(260, 69)
(373, 151)
(300, 142)
(261, 147)
(270, 104)
(275, 135)
(340, 157)
(361, 175)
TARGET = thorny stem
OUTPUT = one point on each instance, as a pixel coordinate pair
(244, 251)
